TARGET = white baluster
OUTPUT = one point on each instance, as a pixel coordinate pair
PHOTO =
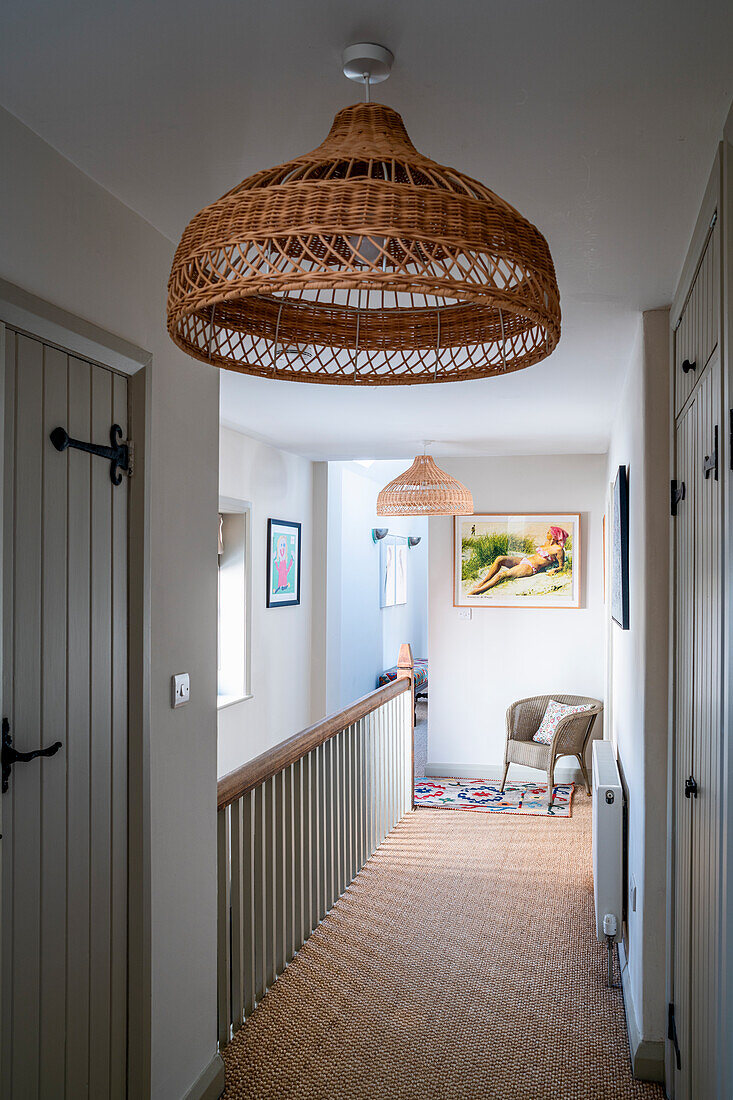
(223, 955)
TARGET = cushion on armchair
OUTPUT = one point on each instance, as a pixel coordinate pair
(554, 713)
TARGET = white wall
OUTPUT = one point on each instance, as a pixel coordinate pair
(368, 636)
(479, 667)
(638, 669)
(279, 486)
(71, 243)
(361, 616)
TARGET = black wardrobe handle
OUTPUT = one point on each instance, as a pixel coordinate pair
(690, 788)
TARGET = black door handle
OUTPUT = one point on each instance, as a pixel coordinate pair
(11, 756)
(690, 788)
(687, 366)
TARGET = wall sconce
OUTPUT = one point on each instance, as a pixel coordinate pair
(379, 533)
(413, 540)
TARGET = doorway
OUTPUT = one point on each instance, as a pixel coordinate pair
(376, 590)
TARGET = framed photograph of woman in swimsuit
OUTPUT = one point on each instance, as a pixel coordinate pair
(283, 563)
(517, 561)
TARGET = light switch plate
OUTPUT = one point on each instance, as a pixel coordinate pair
(464, 612)
(180, 690)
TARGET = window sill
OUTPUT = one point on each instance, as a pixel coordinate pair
(224, 701)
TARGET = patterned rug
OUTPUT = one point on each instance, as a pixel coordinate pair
(478, 794)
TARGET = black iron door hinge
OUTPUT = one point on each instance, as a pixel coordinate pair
(677, 493)
(118, 454)
(710, 465)
(672, 1034)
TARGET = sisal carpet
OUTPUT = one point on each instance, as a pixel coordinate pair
(460, 963)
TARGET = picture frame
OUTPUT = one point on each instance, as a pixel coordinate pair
(393, 570)
(283, 563)
(507, 561)
(619, 550)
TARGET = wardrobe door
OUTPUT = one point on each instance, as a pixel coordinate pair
(684, 667)
(705, 805)
(696, 336)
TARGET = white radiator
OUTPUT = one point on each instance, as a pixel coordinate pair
(608, 802)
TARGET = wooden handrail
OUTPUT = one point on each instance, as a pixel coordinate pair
(237, 783)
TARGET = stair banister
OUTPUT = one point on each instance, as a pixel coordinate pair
(296, 825)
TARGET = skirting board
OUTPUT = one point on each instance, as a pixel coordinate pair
(209, 1085)
(517, 772)
(647, 1055)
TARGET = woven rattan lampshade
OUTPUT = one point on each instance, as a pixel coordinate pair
(364, 262)
(424, 490)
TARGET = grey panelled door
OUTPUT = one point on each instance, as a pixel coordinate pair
(698, 592)
(707, 762)
(684, 649)
(64, 858)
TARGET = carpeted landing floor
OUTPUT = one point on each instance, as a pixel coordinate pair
(461, 963)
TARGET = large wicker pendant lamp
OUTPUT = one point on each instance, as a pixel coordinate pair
(364, 262)
(424, 490)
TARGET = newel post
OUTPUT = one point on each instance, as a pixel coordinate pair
(406, 671)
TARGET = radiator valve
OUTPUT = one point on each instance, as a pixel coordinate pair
(609, 929)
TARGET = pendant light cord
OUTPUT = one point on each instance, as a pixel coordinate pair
(367, 89)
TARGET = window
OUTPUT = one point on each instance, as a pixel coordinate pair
(233, 641)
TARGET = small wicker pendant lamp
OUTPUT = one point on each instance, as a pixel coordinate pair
(424, 490)
(364, 262)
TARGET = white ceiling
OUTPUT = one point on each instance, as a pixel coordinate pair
(599, 122)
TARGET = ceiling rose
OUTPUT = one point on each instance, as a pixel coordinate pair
(424, 490)
(364, 263)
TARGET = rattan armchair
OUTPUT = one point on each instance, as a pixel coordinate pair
(571, 738)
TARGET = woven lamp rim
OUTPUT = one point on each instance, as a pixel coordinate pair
(474, 308)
